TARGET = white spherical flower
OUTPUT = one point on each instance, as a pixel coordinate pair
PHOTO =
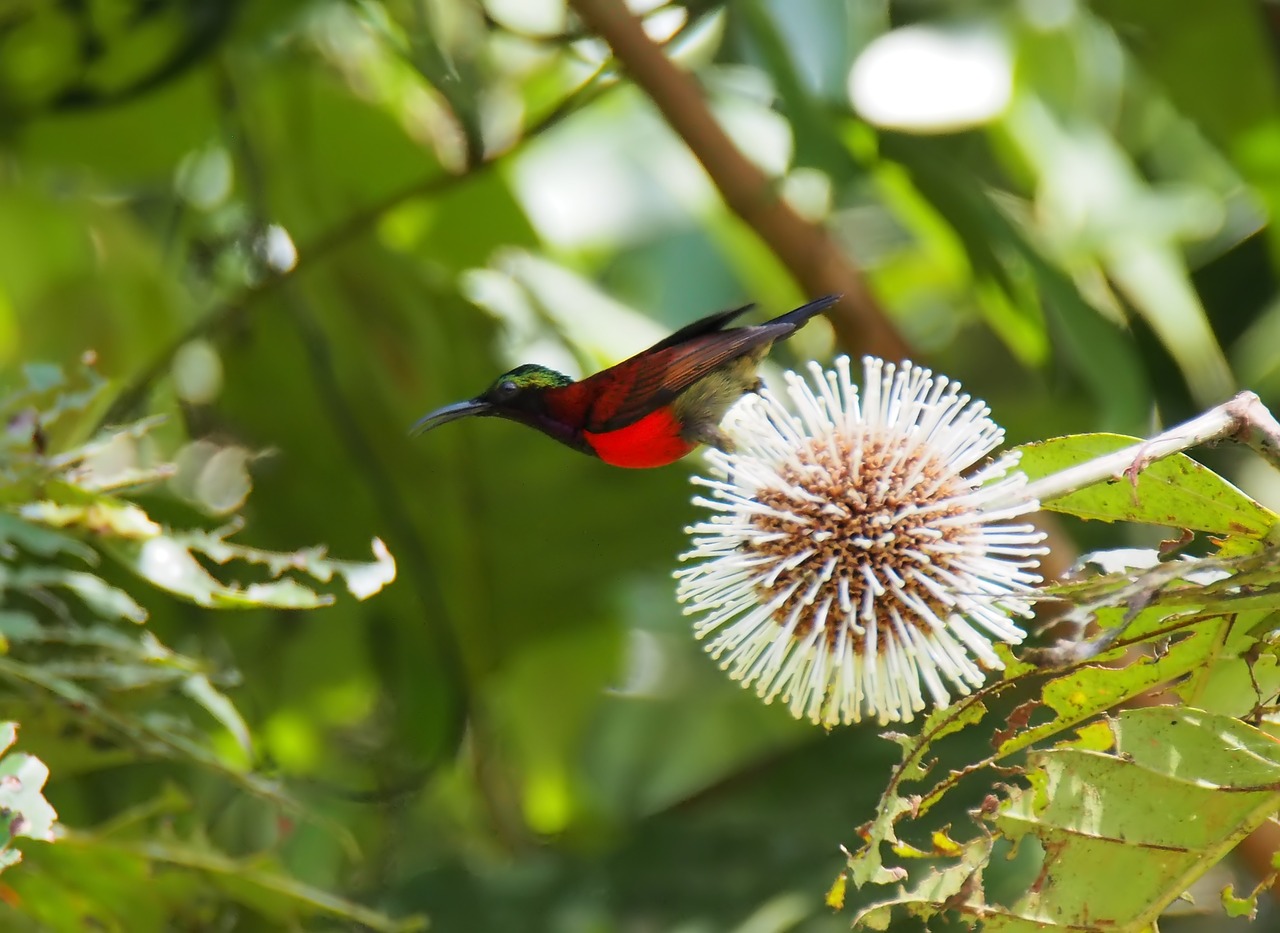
(850, 561)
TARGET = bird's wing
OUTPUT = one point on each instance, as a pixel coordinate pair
(707, 325)
(629, 391)
(625, 393)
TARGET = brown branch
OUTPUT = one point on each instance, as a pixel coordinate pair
(814, 259)
(806, 249)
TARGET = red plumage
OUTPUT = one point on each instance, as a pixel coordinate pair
(653, 441)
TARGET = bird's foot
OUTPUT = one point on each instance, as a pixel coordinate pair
(712, 436)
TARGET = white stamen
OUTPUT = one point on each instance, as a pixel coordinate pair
(850, 565)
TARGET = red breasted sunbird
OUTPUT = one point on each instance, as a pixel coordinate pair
(649, 410)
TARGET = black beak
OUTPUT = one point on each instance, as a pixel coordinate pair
(450, 413)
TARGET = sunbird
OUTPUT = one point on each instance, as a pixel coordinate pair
(649, 410)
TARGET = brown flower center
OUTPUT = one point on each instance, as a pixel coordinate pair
(871, 506)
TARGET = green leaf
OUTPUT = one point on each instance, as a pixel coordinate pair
(1175, 492)
(41, 542)
(1091, 808)
(100, 515)
(104, 599)
(1109, 805)
(363, 579)
(165, 562)
(1235, 906)
(1078, 694)
(168, 559)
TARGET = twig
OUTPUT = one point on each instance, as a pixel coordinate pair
(1243, 418)
(811, 255)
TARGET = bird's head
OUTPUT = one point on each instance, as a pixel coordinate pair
(517, 395)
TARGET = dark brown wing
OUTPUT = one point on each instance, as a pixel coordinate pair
(631, 390)
(623, 394)
(707, 325)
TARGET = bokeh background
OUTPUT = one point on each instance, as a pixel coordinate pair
(293, 227)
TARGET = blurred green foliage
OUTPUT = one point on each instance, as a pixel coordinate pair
(290, 228)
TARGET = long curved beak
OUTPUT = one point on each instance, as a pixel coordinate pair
(449, 413)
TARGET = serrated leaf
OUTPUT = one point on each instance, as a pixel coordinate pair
(167, 563)
(939, 724)
(1088, 808)
(168, 558)
(947, 888)
(101, 515)
(1176, 491)
(1078, 694)
(363, 579)
(866, 865)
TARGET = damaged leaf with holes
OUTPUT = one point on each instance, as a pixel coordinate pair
(1202, 629)
(23, 810)
(1106, 798)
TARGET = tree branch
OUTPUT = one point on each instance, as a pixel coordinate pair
(1243, 418)
(806, 249)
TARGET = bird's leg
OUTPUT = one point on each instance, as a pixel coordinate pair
(709, 434)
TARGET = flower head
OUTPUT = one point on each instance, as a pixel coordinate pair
(850, 560)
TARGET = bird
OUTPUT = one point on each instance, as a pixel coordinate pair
(649, 410)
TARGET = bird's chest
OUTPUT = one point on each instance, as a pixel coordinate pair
(653, 441)
(705, 402)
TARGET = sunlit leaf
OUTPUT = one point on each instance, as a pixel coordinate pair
(103, 598)
(1175, 491)
(23, 809)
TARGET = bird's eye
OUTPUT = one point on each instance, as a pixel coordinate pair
(507, 388)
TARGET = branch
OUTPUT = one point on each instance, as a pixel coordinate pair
(1243, 418)
(807, 250)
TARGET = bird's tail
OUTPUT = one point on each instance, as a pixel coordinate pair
(796, 319)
